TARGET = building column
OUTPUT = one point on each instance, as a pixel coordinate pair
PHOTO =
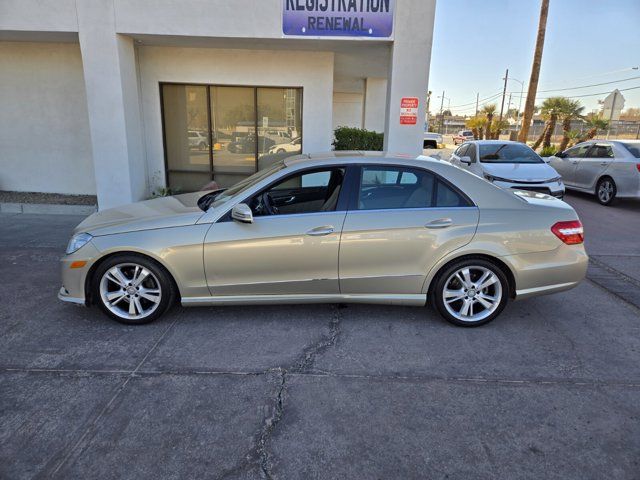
(413, 34)
(374, 104)
(111, 82)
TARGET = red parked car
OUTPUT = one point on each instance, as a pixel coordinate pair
(463, 136)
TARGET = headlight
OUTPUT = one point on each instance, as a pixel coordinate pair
(77, 242)
(554, 179)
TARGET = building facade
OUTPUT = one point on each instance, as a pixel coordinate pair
(124, 98)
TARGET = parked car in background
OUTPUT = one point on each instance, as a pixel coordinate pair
(294, 146)
(607, 169)
(509, 165)
(432, 140)
(329, 228)
(463, 136)
(198, 140)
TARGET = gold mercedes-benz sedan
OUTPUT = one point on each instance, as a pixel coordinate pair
(338, 227)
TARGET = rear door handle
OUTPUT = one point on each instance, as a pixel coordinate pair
(574, 162)
(320, 231)
(440, 223)
(604, 164)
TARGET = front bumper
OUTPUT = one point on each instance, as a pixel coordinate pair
(74, 279)
(555, 189)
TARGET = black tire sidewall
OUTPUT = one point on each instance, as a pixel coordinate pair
(166, 284)
(615, 191)
(438, 286)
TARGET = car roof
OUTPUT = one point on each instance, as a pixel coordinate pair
(353, 156)
(493, 142)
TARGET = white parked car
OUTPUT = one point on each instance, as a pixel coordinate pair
(608, 169)
(198, 140)
(432, 140)
(509, 165)
(294, 146)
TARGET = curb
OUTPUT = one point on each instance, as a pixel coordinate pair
(47, 208)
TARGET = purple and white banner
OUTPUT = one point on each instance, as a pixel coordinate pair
(338, 18)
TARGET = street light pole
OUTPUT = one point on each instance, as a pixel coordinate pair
(477, 101)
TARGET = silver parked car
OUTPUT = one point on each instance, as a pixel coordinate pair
(608, 169)
(509, 165)
(338, 227)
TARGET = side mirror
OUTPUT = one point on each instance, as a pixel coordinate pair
(466, 160)
(560, 155)
(242, 213)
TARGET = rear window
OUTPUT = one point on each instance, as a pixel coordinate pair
(634, 148)
(467, 134)
(508, 153)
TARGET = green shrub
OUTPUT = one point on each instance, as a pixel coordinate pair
(347, 138)
(549, 151)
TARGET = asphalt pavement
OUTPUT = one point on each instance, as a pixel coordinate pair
(551, 389)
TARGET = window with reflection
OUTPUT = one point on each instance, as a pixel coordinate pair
(216, 136)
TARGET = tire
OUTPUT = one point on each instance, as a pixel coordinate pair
(202, 145)
(281, 150)
(458, 293)
(606, 191)
(154, 295)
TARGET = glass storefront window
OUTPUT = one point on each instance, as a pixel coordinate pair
(225, 134)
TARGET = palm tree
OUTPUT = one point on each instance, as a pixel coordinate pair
(476, 125)
(551, 109)
(595, 124)
(497, 127)
(572, 110)
(489, 111)
(535, 73)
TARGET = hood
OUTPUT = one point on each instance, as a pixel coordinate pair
(162, 212)
(522, 172)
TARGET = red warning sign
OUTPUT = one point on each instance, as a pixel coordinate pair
(408, 111)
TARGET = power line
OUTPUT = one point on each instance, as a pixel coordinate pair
(481, 100)
(593, 94)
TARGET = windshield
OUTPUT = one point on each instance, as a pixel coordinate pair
(508, 153)
(634, 148)
(467, 134)
(220, 197)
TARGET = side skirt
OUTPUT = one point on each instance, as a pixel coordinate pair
(418, 300)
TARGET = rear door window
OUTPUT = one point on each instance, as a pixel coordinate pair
(600, 151)
(577, 152)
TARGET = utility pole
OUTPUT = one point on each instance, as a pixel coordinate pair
(477, 100)
(441, 114)
(504, 92)
(613, 106)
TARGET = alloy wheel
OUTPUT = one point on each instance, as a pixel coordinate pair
(472, 293)
(130, 291)
(605, 191)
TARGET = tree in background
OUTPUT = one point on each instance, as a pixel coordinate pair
(497, 127)
(529, 105)
(572, 110)
(476, 125)
(551, 109)
(489, 111)
(595, 124)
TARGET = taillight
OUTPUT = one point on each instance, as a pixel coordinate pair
(570, 233)
(638, 166)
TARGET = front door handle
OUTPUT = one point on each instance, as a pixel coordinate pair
(440, 223)
(320, 231)
(575, 162)
(604, 164)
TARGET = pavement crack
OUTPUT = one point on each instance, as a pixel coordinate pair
(93, 425)
(301, 365)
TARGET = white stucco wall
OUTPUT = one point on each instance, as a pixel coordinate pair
(45, 144)
(313, 71)
(347, 109)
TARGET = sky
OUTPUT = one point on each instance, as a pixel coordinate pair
(587, 42)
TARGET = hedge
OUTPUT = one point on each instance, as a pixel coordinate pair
(347, 138)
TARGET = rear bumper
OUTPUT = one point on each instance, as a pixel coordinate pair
(553, 271)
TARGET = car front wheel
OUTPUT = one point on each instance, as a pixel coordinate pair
(606, 191)
(471, 292)
(133, 289)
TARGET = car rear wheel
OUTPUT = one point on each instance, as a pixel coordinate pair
(471, 292)
(606, 191)
(133, 289)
